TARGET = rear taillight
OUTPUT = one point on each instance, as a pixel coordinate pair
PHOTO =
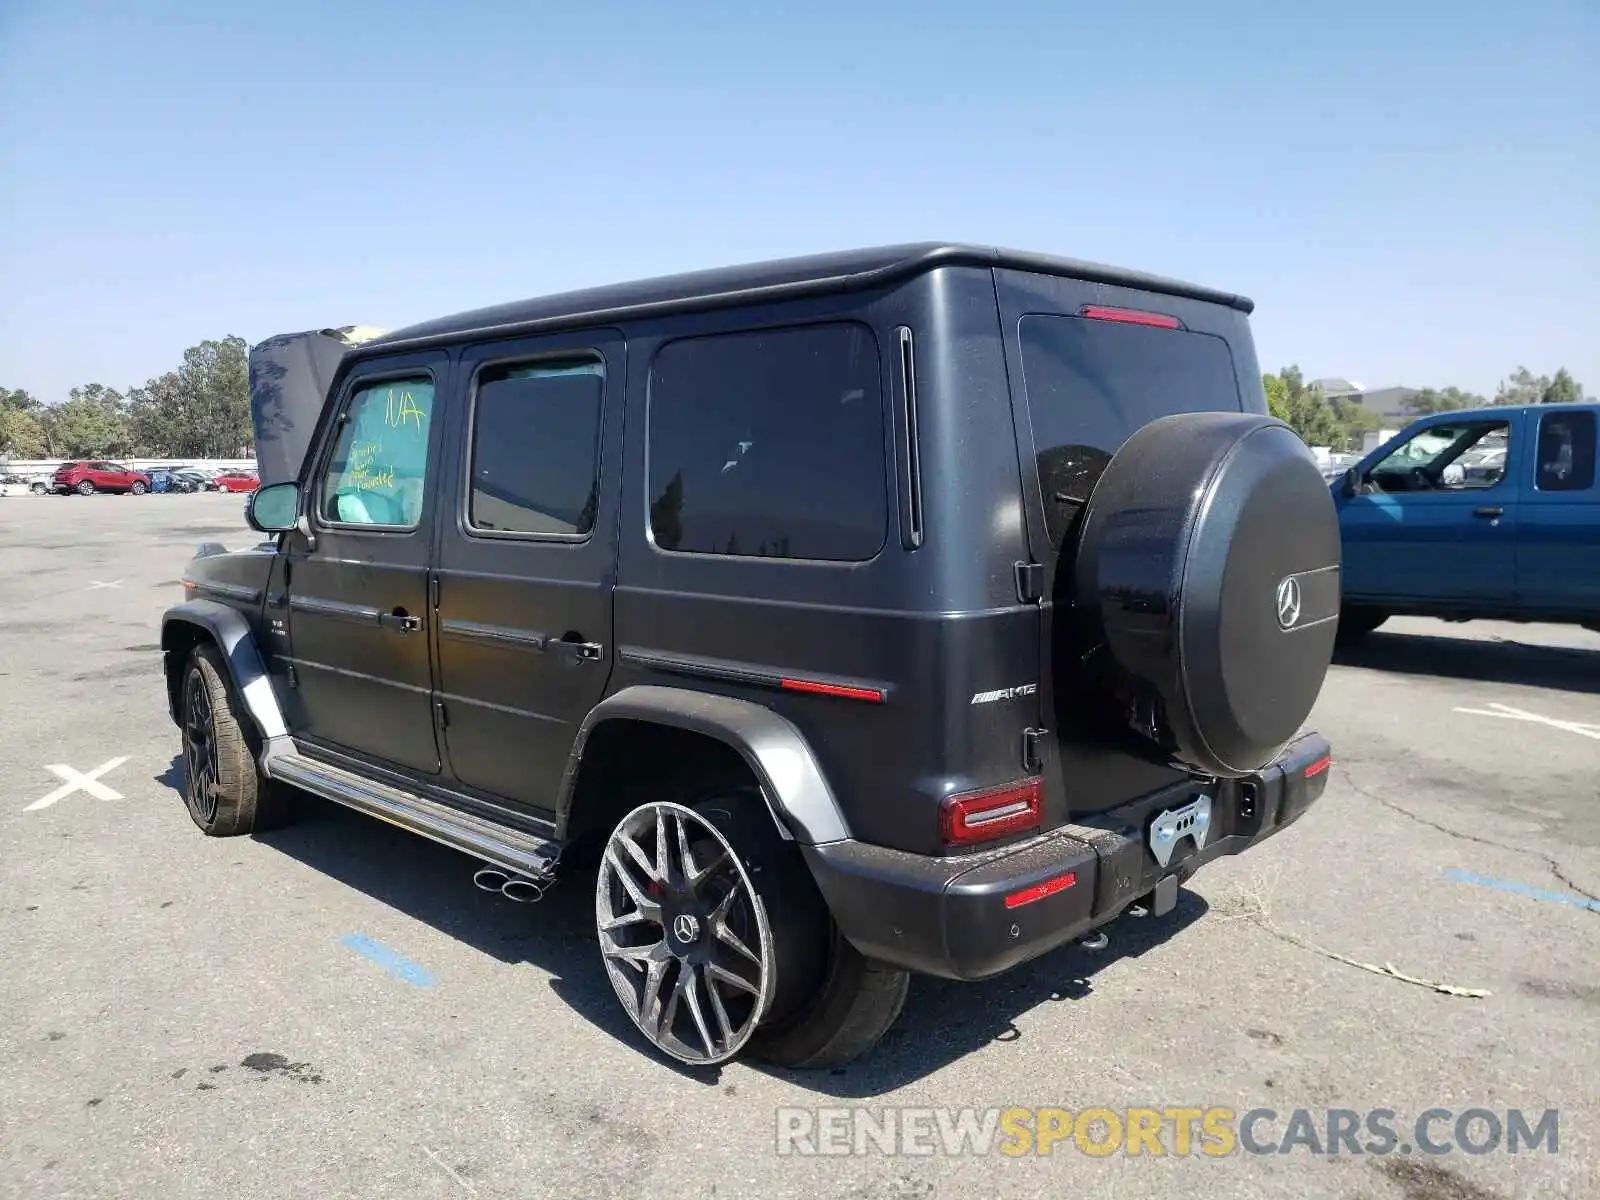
(989, 814)
(1129, 316)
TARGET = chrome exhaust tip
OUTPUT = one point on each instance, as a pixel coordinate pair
(490, 879)
(522, 891)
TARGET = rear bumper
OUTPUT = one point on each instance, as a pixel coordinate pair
(950, 916)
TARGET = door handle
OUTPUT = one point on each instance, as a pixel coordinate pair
(1489, 512)
(400, 621)
(578, 651)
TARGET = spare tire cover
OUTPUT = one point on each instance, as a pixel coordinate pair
(1206, 587)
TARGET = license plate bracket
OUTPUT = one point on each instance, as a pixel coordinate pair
(1192, 820)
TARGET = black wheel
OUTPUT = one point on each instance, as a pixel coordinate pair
(1358, 622)
(138, 488)
(715, 939)
(223, 788)
(84, 488)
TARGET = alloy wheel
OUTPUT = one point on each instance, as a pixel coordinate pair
(200, 750)
(683, 936)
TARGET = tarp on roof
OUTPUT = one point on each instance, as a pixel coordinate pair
(289, 378)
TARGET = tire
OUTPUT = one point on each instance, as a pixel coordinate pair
(858, 1002)
(1358, 622)
(84, 488)
(1205, 592)
(138, 488)
(819, 1002)
(223, 788)
(39, 489)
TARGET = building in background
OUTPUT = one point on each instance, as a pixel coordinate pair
(1388, 404)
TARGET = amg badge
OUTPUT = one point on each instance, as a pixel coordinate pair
(1024, 689)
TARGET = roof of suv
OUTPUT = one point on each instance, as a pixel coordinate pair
(849, 270)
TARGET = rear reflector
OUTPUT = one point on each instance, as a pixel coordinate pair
(871, 695)
(1129, 316)
(1318, 767)
(1040, 890)
(984, 816)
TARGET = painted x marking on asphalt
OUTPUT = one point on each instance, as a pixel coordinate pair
(76, 781)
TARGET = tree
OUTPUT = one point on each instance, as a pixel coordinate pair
(1304, 408)
(1523, 387)
(1563, 389)
(201, 410)
(22, 435)
(1433, 400)
(93, 423)
(17, 400)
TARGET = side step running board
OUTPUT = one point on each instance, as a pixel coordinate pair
(510, 849)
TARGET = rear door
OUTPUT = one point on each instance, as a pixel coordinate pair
(1090, 365)
(358, 588)
(525, 564)
(1558, 534)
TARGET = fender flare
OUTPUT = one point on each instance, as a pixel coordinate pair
(230, 631)
(796, 790)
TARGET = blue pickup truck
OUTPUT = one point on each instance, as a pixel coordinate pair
(1486, 513)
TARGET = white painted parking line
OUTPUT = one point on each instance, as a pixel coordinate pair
(95, 584)
(1581, 728)
(76, 781)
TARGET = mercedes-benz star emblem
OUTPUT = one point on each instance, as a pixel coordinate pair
(685, 927)
(1288, 603)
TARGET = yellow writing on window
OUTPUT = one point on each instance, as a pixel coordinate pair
(365, 473)
(401, 408)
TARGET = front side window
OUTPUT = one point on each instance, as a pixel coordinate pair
(769, 444)
(379, 465)
(536, 448)
(1457, 456)
(1566, 451)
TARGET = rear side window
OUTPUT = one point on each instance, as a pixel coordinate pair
(1566, 451)
(536, 448)
(1092, 384)
(769, 444)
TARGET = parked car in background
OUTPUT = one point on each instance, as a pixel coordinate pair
(95, 475)
(237, 481)
(18, 485)
(197, 479)
(1486, 514)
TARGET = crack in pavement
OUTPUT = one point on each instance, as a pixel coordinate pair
(1552, 864)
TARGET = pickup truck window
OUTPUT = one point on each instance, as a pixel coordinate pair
(1456, 457)
(1566, 452)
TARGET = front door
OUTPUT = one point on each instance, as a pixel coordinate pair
(358, 587)
(1435, 519)
(525, 562)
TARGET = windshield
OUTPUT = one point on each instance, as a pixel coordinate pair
(1091, 384)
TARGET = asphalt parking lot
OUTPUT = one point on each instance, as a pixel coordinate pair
(332, 1010)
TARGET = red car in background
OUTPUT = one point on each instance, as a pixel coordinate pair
(237, 481)
(93, 475)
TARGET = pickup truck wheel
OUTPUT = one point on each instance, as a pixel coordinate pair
(223, 788)
(84, 488)
(1358, 622)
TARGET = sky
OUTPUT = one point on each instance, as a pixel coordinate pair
(1409, 190)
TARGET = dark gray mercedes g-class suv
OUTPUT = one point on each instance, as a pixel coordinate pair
(912, 609)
